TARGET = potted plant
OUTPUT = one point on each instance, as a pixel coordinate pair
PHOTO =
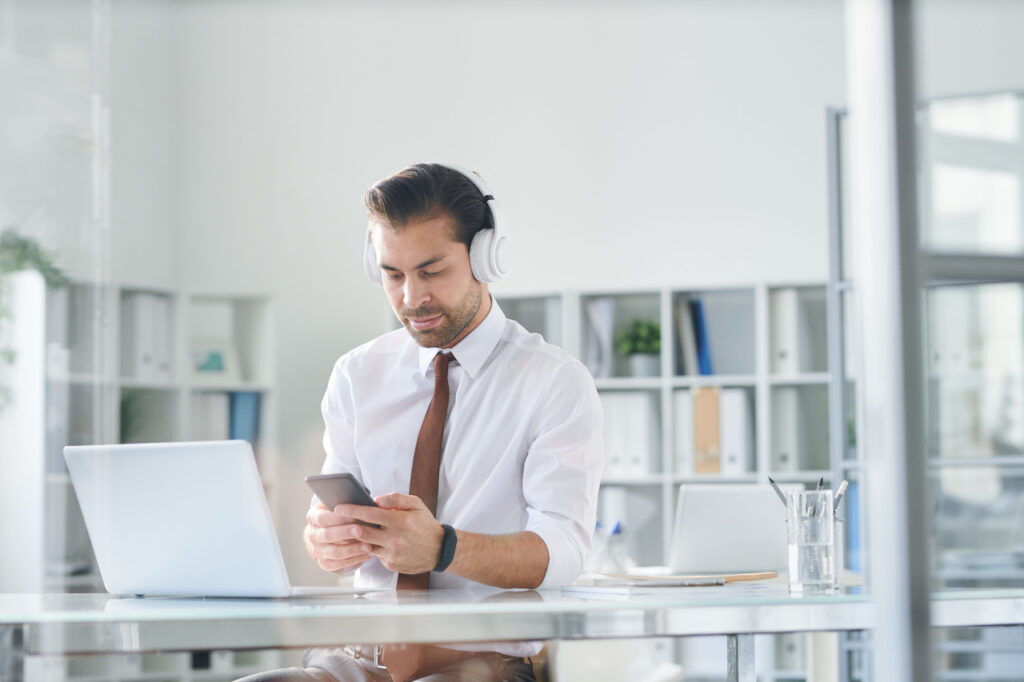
(19, 253)
(640, 342)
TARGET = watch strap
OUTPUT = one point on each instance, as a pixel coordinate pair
(447, 549)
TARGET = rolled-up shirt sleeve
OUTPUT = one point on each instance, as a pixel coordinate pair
(562, 471)
(339, 427)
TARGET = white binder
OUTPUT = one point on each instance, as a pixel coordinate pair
(211, 416)
(785, 331)
(600, 316)
(786, 442)
(630, 433)
(640, 412)
(614, 435)
(138, 337)
(737, 431)
(682, 411)
(163, 342)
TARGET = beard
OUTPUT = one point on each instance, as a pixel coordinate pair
(454, 321)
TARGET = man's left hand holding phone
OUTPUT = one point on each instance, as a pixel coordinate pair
(328, 535)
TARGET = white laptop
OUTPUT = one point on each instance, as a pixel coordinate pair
(180, 519)
(728, 528)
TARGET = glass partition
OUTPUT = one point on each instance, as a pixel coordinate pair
(970, 174)
(56, 351)
(970, 178)
(975, 363)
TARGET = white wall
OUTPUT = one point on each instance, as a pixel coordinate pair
(144, 178)
(632, 144)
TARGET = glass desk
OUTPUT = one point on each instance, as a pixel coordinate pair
(71, 624)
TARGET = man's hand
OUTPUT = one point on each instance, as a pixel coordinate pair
(328, 539)
(409, 537)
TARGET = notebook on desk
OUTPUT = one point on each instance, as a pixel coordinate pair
(180, 519)
(604, 585)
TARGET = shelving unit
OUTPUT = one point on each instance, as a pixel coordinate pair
(103, 364)
(785, 404)
(214, 666)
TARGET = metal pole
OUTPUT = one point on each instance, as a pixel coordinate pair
(834, 308)
(836, 360)
(886, 265)
(12, 659)
(741, 658)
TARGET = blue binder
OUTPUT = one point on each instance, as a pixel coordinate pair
(853, 553)
(245, 416)
(703, 347)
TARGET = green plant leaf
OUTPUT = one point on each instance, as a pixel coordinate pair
(641, 336)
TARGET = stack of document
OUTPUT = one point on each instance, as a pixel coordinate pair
(599, 584)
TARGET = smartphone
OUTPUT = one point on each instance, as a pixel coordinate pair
(335, 489)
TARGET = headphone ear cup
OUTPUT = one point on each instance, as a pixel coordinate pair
(370, 262)
(501, 255)
(480, 257)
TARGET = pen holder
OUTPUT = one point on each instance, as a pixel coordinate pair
(811, 540)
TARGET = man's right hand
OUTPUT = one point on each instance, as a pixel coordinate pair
(328, 539)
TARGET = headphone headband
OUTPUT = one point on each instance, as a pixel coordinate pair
(489, 254)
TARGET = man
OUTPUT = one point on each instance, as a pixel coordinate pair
(512, 501)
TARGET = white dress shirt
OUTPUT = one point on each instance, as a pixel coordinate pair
(522, 447)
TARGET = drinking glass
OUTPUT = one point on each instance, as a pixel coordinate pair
(811, 533)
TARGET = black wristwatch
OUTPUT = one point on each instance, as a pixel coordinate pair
(447, 549)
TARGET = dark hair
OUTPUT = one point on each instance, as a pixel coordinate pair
(426, 190)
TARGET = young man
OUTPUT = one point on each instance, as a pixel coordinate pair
(512, 501)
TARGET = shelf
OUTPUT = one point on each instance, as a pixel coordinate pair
(74, 581)
(977, 573)
(806, 379)
(653, 479)
(628, 384)
(144, 676)
(801, 476)
(148, 384)
(971, 461)
(980, 378)
(714, 380)
(92, 395)
(977, 676)
(963, 646)
(715, 478)
(230, 387)
(81, 379)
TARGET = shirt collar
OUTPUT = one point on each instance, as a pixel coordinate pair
(472, 352)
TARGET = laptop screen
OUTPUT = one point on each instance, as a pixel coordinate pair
(728, 528)
(178, 519)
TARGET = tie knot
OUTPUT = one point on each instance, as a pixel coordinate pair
(441, 361)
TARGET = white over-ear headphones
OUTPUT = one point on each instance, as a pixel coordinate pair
(489, 254)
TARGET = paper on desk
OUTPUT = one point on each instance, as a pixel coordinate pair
(612, 583)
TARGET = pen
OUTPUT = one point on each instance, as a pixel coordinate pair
(821, 483)
(778, 492)
(839, 497)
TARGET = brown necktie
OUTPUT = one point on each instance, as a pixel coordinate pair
(403, 661)
(426, 462)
